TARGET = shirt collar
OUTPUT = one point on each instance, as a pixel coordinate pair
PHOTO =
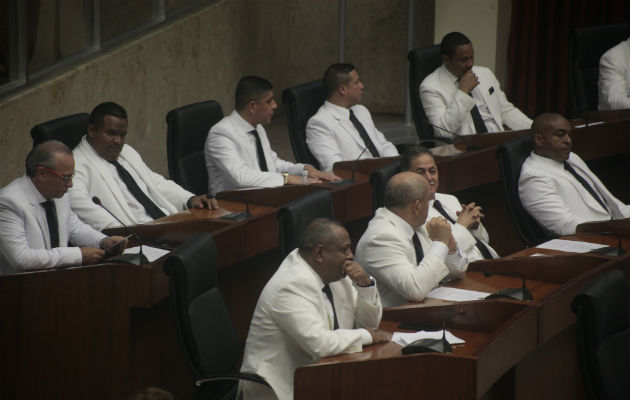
(549, 162)
(397, 221)
(241, 124)
(337, 111)
(38, 197)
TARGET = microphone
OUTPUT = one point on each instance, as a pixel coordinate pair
(235, 216)
(426, 121)
(608, 250)
(521, 293)
(432, 345)
(138, 259)
(351, 179)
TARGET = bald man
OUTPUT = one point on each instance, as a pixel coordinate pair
(557, 188)
(407, 258)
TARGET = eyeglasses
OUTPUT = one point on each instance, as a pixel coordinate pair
(66, 179)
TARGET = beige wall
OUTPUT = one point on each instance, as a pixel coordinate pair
(203, 55)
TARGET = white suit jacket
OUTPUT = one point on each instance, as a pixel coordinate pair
(448, 107)
(291, 326)
(614, 78)
(331, 136)
(386, 251)
(232, 159)
(465, 238)
(558, 201)
(93, 177)
(24, 237)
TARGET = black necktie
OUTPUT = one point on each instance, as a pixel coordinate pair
(480, 245)
(586, 185)
(418, 248)
(53, 224)
(364, 135)
(152, 210)
(328, 292)
(262, 163)
(480, 127)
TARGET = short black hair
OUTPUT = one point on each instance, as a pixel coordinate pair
(318, 231)
(250, 88)
(45, 154)
(335, 75)
(411, 153)
(450, 41)
(97, 116)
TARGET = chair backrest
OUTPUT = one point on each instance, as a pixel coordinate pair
(378, 179)
(203, 325)
(586, 46)
(511, 157)
(422, 62)
(68, 130)
(302, 102)
(602, 312)
(188, 128)
(295, 215)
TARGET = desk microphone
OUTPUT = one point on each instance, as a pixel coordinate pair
(521, 293)
(351, 179)
(235, 216)
(138, 259)
(463, 137)
(432, 345)
(608, 250)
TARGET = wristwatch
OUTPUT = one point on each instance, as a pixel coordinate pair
(285, 176)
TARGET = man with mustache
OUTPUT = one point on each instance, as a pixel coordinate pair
(463, 98)
(116, 174)
(557, 188)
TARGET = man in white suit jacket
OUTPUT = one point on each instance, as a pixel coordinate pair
(27, 241)
(332, 135)
(465, 219)
(457, 89)
(614, 78)
(407, 258)
(97, 175)
(297, 323)
(237, 151)
(551, 193)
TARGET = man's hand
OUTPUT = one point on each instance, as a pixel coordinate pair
(203, 201)
(114, 245)
(356, 273)
(297, 180)
(470, 216)
(439, 230)
(91, 255)
(379, 336)
(322, 176)
(468, 82)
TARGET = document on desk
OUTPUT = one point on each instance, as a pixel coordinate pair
(151, 253)
(404, 338)
(572, 246)
(453, 294)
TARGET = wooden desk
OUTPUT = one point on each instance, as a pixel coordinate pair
(98, 332)
(381, 371)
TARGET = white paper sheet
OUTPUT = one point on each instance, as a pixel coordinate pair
(404, 338)
(453, 294)
(572, 246)
(151, 253)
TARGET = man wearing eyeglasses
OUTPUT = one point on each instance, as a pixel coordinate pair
(37, 223)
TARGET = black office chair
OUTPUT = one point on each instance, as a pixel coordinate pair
(378, 179)
(295, 215)
(422, 62)
(586, 46)
(302, 102)
(511, 156)
(602, 325)
(188, 128)
(68, 130)
(203, 325)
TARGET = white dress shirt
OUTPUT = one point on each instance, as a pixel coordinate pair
(558, 201)
(331, 136)
(293, 326)
(232, 158)
(614, 78)
(24, 235)
(386, 251)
